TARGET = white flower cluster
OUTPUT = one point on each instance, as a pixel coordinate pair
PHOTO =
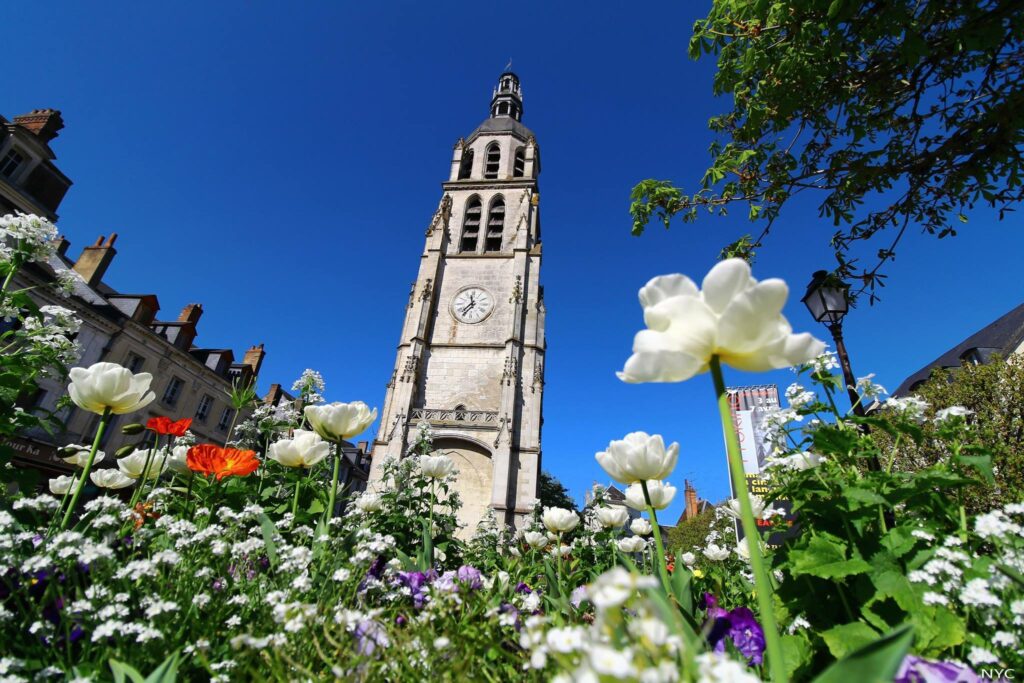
(27, 236)
(310, 385)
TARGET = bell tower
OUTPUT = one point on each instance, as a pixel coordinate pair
(470, 359)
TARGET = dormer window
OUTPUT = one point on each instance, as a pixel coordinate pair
(519, 167)
(495, 224)
(466, 165)
(471, 225)
(493, 162)
(11, 161)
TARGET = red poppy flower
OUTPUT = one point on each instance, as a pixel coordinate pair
(206, 458)
(165, 425)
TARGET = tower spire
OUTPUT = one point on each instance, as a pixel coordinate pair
(507, 100)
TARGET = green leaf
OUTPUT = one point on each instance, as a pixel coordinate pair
(835, 8)
(268, 529)
(167, 672)
(681, 579)
(876, 662)
(844, 639)
(120, 670)
(825, 557)
(981, 463)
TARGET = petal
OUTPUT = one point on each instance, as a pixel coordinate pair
(788, 351)
(665, 286)
(754, 318)
(724, 282)
(660, 366)
(690, 326)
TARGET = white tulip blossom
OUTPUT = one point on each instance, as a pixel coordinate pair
(761, 509)
(638, 457)
(134, 465)
(641, 527)
(337, 421)
(535, 539)
(304, 449)
(104, 386)
(111, 479)
(688, 559)
(796, 461)
(177, 460)
(436, 466)
(631, 544)
(612, 517)
(563, 550)
(661, 493)
(733, 316)
(617, 585)
(79, 455)
(61, 485)
(716, 553)
(369, 502)
(559, 520)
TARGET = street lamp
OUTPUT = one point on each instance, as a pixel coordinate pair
(827, 299)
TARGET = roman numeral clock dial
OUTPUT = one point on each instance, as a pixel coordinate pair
(471, 305)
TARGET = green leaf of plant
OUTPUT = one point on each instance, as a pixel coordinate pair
(825, 557)
(167, 672)
(268, 529)
(876, 662)
(844, 639)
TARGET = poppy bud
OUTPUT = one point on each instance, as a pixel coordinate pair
(133, 429)
(124, 450)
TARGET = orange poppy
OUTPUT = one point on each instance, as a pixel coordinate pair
(167, 426)
(206, 458)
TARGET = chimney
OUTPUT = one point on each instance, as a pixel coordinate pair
(273, 395)
(191, 314)
(189, 317)
(94, 261)
(254, 358)
(43, 123)
(691, 501)
(62, 245)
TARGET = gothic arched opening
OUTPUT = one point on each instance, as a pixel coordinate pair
(475, 479)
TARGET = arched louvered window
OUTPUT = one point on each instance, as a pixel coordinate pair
(493, 162)
(520, 163)
(471, 225)
(495, 225)
(466, 165)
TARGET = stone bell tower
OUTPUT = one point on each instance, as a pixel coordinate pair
(470, 359)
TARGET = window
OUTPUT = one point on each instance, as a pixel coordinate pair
(173, 391)
(205, 404)
(495, 224)
(466, 165)
(471, 225)
(10, 163)
(134, 362)
(519, 169)
(226, 416)
(493, 162)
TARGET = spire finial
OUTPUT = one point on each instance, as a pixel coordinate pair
(508, 67)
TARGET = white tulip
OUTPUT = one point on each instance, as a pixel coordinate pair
(369, 502)
(108, 385)
(535, 539)
(641, 527)
(732, 508)
(796, 461)
(734, 317)
(715, 553)
(304, 449)
(563, 550)
(632, 544)
(80, 455)
(742, 550)
(436, 466)
(689, 559)
(177, 460)
(661, 493)
(111, 479)
(133, 465)
(337, 421)
(560, 520)
(612, 517)
(638, 457)
(61, 485)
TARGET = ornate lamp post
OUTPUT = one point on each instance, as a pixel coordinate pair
(827, 299)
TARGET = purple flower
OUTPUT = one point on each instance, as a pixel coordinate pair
(415, 582)
(369, 634)
(738, 625)
(522, 588)
(916, 670)
(578, 596)
(470, 576)
(446, 583)
(400, 620)
(218, 584)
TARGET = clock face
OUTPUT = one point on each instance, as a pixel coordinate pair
(472, 305)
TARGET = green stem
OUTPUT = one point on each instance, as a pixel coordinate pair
(7, 280)
(137, 494)
(659, 548)
(295, 501)
(263, 465)
(100, 428)
(188, 493)
(776, 663)
(329, 513)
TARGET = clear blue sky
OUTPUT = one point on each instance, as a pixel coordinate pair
(279, 164)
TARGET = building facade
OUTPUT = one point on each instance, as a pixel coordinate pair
(470, 360)
(189, 381)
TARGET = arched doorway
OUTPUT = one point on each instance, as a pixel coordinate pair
(474, 481)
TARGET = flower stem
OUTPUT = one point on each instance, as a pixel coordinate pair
(100, 428)
(776, 664)
(659, 548)
(329, 513)
(295, 501)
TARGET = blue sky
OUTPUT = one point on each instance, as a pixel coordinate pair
(280, 166)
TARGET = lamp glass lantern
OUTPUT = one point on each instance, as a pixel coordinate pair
(827, 298)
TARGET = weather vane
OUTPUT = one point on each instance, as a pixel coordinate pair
(508, 67)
